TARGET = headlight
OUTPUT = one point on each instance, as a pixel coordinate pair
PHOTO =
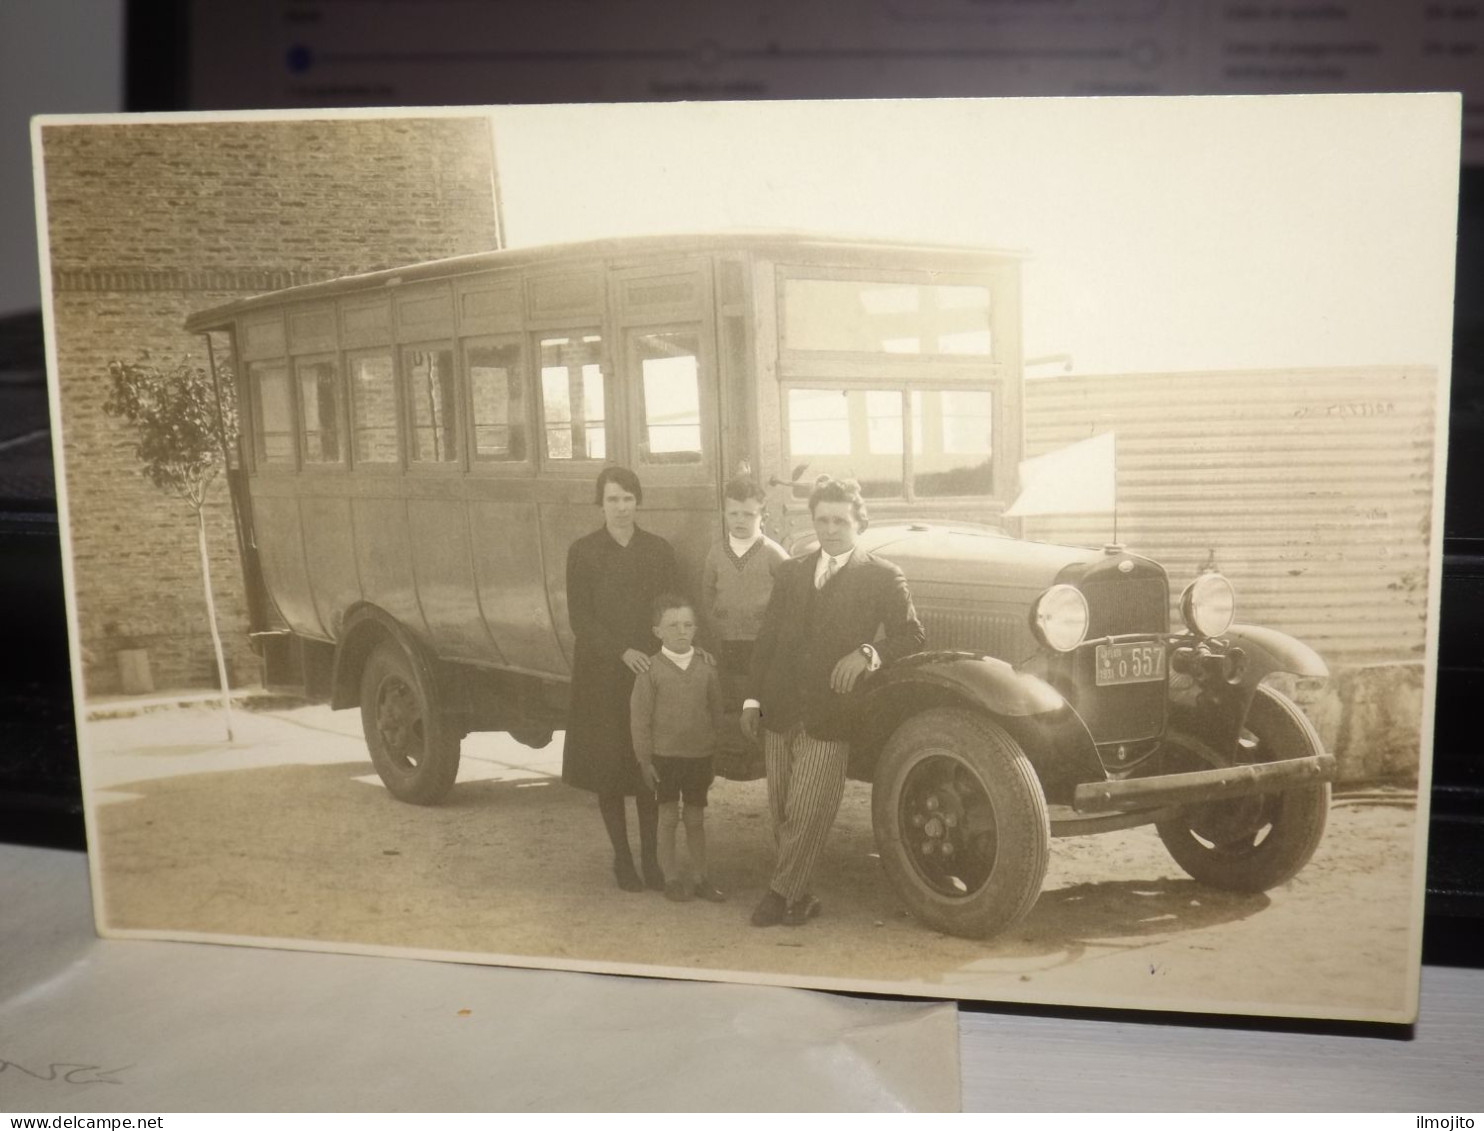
(1208, 605)
(1060, 617)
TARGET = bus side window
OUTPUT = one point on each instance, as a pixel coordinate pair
(319, 408)
(497, 394)
(669, 369)
(574, 400)
(273, 410)
(373, 407)
(432, 404)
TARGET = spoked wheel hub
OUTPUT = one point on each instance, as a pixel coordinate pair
(949, 827)
(399, 720)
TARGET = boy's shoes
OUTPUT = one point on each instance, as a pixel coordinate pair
(705, 889)
(801, 910)
(676, 891)
(628, 879)
(770, 910)
(654, 875)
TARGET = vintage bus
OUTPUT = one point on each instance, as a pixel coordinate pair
(418, 451)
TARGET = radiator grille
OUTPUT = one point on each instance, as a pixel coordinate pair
(1123, 606)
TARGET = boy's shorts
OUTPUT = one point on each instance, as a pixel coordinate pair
(689, 778)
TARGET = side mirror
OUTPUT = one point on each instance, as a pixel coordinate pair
(793, 476)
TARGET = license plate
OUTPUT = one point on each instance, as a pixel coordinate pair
(1129, 663)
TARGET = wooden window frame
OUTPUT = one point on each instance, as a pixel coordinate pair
(525, 466)
(389, 467)
(322, 467)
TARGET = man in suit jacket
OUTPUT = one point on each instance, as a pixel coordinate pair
(833, 616)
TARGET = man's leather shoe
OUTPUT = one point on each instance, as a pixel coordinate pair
(708, 891)
(770, 910)
(801, 910)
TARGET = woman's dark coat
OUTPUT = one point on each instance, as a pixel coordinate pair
(610, 589)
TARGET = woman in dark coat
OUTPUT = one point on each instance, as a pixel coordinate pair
(613, 576)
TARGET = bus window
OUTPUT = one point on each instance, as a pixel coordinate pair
(862, 316)
(859, 434)
(952, 448)
(497, 398)
(319, 409)
(668, 365)
(432, 404)
(848, 433)
(373, 407)
(273, 411)
(574, 397)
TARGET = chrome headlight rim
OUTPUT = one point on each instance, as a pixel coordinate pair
(1049, 618)
(1209, 605)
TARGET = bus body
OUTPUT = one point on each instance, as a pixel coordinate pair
(418, 451)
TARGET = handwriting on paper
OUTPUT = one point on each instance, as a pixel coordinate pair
(68, 1073)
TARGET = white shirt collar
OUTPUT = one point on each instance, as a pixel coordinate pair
(679, 659)
(740, 548)
(824, 559)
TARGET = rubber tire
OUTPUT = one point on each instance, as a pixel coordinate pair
(1294, 819)
(1016, 808)
(421, 769)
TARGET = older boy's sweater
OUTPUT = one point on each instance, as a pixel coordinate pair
(735, 590)
(673, 712)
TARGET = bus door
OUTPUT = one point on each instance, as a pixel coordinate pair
(667, 360)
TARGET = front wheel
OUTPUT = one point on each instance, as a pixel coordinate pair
(960, 823)
(412, 747)
(1255, 843)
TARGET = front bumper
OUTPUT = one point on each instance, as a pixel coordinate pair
(1202, 785)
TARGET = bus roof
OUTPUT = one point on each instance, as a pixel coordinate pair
(797, 246)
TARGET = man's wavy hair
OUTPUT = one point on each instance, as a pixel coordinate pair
(828, 489)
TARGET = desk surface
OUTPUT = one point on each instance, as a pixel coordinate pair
(1010, 1061)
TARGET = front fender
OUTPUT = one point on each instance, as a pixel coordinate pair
(1054, 737)
(983, 681)
(1269, 651)
(1213, 709)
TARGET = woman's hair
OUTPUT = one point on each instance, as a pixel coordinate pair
(623, 477)
(744, 488)
(830, 490)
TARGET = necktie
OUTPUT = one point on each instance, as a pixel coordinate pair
(830, 566)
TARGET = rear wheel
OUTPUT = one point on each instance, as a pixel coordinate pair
(413, 749)
(1255, 843)
(960, 823)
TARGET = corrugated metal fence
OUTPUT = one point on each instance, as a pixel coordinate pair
(1311, 489)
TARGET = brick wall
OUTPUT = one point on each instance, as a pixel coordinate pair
(148, 223)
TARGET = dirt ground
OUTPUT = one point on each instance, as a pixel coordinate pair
(286, 835)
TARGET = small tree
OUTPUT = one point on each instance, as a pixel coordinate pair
(185, 424)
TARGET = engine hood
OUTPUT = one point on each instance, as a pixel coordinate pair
(955, 554)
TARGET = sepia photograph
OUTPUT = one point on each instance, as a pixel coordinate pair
(972, 549)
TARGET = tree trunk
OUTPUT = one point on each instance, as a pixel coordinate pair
(216, 640)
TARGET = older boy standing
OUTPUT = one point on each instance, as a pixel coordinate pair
(736, 582)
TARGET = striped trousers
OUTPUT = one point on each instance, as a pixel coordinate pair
(806, 780)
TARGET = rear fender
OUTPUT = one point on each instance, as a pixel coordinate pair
(1053, 736)
(364, 628)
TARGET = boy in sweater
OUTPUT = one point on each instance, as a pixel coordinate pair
(736, 582)
(675, 717)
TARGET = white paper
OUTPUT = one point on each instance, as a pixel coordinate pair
(105, 1025)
